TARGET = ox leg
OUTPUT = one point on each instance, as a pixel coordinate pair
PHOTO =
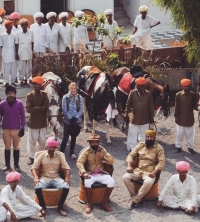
(94, 125)
(107, 132)
(85, 115)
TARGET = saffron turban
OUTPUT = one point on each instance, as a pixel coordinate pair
(63, 14)
(51, 14)
(23, 21)
(2, 12)
(143, 8)
(38, 79)
(79, 14)
(8, 23)
(93, 137)
(38, 14)
(185, 82)
(140, 81)
(150, 133)
(52, 142)
(12, 176)
(182, 166)
(108, 12)
(14, 15)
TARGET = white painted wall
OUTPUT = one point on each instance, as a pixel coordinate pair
(28, 7)
(98, 6)
(131, 7)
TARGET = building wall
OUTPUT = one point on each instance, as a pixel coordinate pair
(131, 7)
(96, 5)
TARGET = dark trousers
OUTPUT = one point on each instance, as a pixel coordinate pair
(65, 140)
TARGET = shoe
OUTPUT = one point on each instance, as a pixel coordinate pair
(22, 84)
(6, 84)
(190, 150)
(26, 84)
(62, 212)
(73, 156)
(30, 161)
(131, 206)
(7, 169)
(178, 150)
(88, 208)
(14, 84)
(18, 169)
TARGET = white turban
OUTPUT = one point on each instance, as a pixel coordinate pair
(79, 14)
(143, 8)
(38, 14)
(63, 14)
(108, 12)
(50, 14)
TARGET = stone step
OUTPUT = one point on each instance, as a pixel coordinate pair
(123, 21)
(121, 12)
(118, 8)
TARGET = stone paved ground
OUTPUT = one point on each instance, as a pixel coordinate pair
(119, 198)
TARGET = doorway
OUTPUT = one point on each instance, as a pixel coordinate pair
(53, 6)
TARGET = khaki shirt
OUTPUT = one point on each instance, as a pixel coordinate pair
(184, 106)
(142, 107)
(37, 105)
(50, 167)
(149, 159)
(88, 161)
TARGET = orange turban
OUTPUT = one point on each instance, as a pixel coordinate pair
(38, 79)
(23, 21)
(185, 82)
(8, 23)
(140, 81)
(2, 12)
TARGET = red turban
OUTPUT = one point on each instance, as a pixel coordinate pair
(8, 23)
(185, 82)
(38, 79)
(12, 176)
(23, 21)
(140, 81)
(182, 166)
(14, 15)
(2, 12)
(52, 142)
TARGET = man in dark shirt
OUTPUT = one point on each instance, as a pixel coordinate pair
(37, 104)
(185, 103)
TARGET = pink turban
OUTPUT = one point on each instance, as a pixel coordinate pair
(14, 15)
(52, 142)
(12, 176)
(182, 166)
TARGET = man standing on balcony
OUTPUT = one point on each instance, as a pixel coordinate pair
(105, 41)
(54, 31)
(141, 36)
(67, 30)
(40, 35)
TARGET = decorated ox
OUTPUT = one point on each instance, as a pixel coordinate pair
(125, 82)
(95, 87)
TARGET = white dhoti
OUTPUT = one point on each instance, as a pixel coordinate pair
(25, 69)
(3, 213)
(10, 69)
(22, 211)
(188, 132)
(142, 42)
(103, 179)
(36, 137)
(174, 202)
(133, 132)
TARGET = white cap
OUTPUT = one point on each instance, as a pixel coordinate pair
(50, 14)
(108, 12)
(63, 14)
(38, 14)
(143, 8)
(78, 14)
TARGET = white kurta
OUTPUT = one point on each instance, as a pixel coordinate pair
(67, 31)
(185, 194)
(80, 38)
(53, 36)
(7, 41)
(142, 38)
(15, 30)
(107, 42)
(40, 37)
(21, 211)
(2, 30)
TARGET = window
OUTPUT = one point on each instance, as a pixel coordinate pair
(9, 6)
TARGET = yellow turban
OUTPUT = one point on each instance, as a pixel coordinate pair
(150, 133)
(185, 82)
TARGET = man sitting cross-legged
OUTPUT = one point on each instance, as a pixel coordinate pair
(184, 191)
(151, 161)
(91, 165)
(49, 163)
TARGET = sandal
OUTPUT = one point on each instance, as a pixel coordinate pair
(30, 161)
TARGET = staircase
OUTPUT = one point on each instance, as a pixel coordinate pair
(120, 14)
